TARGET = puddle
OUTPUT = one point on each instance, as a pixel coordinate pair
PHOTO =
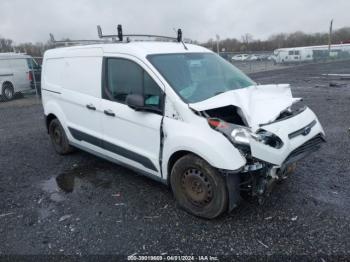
(65, 181)
(50, 186)
(78, 180)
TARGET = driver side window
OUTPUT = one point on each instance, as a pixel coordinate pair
(124, 77)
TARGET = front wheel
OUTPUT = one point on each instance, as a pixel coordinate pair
(198, 187)
(58, 138)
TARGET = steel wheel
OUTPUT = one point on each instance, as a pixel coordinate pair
(57, 135)
(196, 187)
(58, 138)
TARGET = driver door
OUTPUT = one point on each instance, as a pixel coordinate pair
(131, 136)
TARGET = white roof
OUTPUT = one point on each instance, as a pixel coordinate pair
(140, 49)
(13, 55)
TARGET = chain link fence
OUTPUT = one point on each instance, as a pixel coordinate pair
(252, 62)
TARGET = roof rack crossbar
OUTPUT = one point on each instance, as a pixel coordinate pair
(121, 36)
(116, 38)
(75, 41)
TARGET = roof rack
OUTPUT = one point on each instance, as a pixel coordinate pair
(66, 42)
(119, 37)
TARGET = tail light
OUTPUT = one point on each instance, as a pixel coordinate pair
(30, 76)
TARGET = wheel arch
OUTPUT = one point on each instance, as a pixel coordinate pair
(7, 82)
(52, 110)
(48, 120)
(172, 160)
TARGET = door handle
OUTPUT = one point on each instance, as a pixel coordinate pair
(91, 107)
(109, 112)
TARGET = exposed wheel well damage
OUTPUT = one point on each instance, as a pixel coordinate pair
(172, 160)
(48, 120)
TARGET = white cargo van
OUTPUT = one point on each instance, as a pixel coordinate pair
(16, 74)
(179, 114)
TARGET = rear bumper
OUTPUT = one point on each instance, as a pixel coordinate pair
(301, 135)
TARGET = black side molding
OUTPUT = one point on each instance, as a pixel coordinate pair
(55, 92)
(81, 136)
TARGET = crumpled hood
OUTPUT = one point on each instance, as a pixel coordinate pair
(260, 104)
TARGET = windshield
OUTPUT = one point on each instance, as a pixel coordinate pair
(199, 76)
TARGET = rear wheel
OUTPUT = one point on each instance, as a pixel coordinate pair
(58, 138)
(7, 91)
(198, 187)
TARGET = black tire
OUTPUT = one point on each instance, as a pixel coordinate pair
(59, 138)
(198, 187)
(7, 91)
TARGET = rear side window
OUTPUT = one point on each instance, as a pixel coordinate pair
(32, 64)
(124, 77)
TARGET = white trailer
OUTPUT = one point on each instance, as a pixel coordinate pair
(309, 53)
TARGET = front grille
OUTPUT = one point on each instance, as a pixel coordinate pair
(308, 147)
(303, 131)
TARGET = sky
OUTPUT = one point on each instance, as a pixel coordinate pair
(33, 20)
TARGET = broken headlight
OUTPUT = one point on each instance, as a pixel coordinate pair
(236, 134)
(268, 138)
(239, 135)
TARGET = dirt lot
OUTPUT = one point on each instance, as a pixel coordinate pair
(114, 211)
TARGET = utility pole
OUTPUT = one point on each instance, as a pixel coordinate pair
(330, 38)
(217, 44)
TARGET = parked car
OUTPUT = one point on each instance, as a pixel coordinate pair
(179, 114)
(17, 72)
(240, 57)
(253, 58)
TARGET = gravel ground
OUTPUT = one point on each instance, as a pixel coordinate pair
(112, 210)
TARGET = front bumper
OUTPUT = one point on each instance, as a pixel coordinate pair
(301, 135)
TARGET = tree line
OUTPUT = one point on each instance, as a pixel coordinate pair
(246, 43)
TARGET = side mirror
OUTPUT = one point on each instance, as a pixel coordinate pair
(135, 101)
